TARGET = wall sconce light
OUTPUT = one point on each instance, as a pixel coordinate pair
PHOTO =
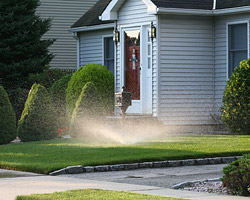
(153, 31)
(116, 36)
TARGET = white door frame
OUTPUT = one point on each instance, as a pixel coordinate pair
(144, 105)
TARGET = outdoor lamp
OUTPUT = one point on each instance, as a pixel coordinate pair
(116, 36)
(153, 31)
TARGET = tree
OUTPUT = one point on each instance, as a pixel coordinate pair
(22, 49)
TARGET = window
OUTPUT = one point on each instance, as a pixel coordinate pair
(109, 53)
(237, 45)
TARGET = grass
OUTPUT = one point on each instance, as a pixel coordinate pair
(46, 156)
(91, 194)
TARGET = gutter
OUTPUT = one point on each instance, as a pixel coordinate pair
(91, 28)
(218, 12)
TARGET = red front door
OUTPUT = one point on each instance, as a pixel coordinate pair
(132, 63)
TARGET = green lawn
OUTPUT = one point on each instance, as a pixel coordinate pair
(93, 195)
(47, 156)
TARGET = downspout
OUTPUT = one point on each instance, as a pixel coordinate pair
(74, 35)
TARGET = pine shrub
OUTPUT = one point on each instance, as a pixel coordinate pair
(237, 176)
(86, 112)
(39, 119)
(22, 49)
(236, 100)
(8, 131)
(58, 96)
(101, 77)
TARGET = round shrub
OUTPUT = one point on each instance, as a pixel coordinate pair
(237, 176)
(8, 130)
(102, 78)
(236, 100)
(39, 119)
(87, 110)
(58, 96)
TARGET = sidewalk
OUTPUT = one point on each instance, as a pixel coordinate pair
(34, 183)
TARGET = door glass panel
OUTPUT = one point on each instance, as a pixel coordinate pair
(132, 62)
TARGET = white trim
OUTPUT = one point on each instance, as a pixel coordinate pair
(231, 10)
(110, 13)
(74, 35)
(214, 5)
(92, 28)
(158, 63)
(227, 41)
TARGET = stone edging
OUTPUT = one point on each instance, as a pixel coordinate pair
(188, 183)
(170, 163)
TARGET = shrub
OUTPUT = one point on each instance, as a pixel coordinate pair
(237, 176)
(86, 111)
(236, 100)
(17, 98)
(39, 119)
(8, 130)
(102, 78)
(58, 96)
(47, 77)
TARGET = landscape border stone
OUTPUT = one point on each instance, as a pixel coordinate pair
(157, 164)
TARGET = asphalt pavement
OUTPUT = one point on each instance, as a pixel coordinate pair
(148, 181)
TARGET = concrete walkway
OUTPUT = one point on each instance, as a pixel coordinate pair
(28, 183)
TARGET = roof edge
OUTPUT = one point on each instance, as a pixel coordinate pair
(182, 11)
(92, 28)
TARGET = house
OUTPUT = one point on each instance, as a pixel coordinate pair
(175, 56)
(63, 14)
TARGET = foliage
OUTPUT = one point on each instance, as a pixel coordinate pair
(236, 100)
(93, 194)
(47, 77)
(17, 98)
(22, 51)
(46, 156)
(38, 120)
(237, 176)
(86, 111)
(8, 130)
(102, 78)
(58, 96)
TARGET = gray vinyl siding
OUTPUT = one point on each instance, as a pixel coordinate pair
(133, 13)
(91, 46)
(63, 13)
(186, 71)
(221, 54)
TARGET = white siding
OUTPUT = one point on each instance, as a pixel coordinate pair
(91, 46)
(63, 13)
(221, 54)
(134, 13)
(186, 75)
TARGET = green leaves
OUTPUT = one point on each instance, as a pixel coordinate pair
(236, 100)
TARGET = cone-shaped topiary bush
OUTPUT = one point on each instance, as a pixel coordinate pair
(236, 100)
(102, 78)
(8, 131)
(87, 110)
(58, 96)
(39, 119)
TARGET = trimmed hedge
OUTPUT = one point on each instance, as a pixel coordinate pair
(58, 96)
(101, 77)
(237, 176)
(39, 119)
(8, 131)
(236, 100)
(87, 110)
